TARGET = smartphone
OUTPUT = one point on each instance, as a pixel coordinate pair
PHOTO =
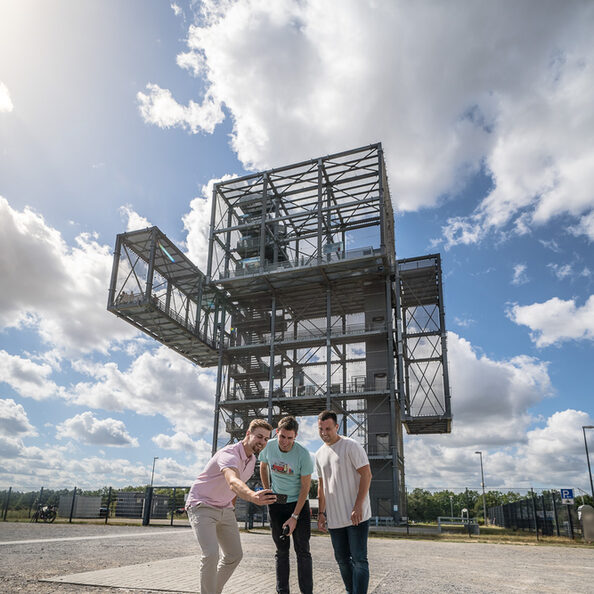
(281, 498)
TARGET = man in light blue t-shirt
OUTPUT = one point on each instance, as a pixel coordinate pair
(286, 467)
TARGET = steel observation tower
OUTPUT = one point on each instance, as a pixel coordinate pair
(303, 307)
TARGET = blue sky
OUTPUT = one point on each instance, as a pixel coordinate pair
(115, 115)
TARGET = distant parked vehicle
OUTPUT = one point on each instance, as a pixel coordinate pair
(179, 511)
(45, 513)
(103, 512)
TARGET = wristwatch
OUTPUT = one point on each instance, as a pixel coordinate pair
(294, 517)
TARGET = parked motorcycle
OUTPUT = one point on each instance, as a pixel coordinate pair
(45, 513)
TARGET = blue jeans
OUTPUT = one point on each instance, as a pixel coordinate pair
(350, 552)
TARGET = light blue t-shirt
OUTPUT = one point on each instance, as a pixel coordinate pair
(286, 468)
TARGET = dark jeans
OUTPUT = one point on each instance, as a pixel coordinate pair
(350, 552)
(279, 514)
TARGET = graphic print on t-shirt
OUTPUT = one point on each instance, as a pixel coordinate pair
(282, 467)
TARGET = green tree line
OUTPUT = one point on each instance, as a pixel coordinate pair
(426, 506)
(423, 505)
(26, 500)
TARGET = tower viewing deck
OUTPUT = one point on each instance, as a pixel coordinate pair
(157, 289)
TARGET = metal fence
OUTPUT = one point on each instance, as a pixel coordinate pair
(162, 504)
(542, 514)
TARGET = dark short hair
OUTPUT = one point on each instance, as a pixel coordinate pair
(288, 424)
(328, 414)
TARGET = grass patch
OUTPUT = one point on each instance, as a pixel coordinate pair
(491, 535)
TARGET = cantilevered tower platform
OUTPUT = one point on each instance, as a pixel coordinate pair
(304, 307)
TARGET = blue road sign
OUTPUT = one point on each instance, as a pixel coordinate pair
(567, 496)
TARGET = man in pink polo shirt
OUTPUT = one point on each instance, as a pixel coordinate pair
(210, 505)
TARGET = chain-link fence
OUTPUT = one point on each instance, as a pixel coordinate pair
(161, 504)
(544, 514)
(537, 511)
(540, 512)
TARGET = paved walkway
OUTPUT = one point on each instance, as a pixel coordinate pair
(181, 575)
(44, 559)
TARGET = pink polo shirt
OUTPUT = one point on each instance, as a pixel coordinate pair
(211, 488)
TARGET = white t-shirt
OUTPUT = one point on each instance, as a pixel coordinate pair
(337, 466)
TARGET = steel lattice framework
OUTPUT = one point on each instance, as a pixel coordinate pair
(304, 307)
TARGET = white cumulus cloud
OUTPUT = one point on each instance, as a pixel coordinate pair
(157, 382)
(554, 450)
(134, 220)
(550, 454)
(491, 398)
(86, 428)
(585, 226)
(191, 61)
(57, 289)
(14, 420)
(561, 271)
(181, 441)
(26, 377)
(6, 104)
(556, 320)
(158, 106)
(197, 224)
(491, 402)
(520, 277)
(449, 88)
(55, 467)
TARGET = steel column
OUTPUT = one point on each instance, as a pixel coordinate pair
(394, 418)
(271, 362)
(320, 210)
(151, 266)
(328, 345)
(215, 431)
(444, 348)
(117, 254)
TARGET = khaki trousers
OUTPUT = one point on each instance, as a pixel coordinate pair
(216, 528)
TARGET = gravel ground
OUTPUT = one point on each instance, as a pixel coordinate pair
(22, 565)
(401, 565)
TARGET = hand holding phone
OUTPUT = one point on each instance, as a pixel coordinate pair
(264, 497)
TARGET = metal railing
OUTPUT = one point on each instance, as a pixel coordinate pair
(302, 262)
(138, 299)
(312, 390)
(306, 334)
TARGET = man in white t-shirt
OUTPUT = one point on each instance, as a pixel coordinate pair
(344, 477)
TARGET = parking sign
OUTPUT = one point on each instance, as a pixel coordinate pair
(567, 496)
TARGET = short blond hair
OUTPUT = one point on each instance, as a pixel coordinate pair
(259, 424)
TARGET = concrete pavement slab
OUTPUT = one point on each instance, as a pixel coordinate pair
(181, 575)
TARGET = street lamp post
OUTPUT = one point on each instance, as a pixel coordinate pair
(584, 427)
(153, 473)
(451, 506)
(483, 486)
